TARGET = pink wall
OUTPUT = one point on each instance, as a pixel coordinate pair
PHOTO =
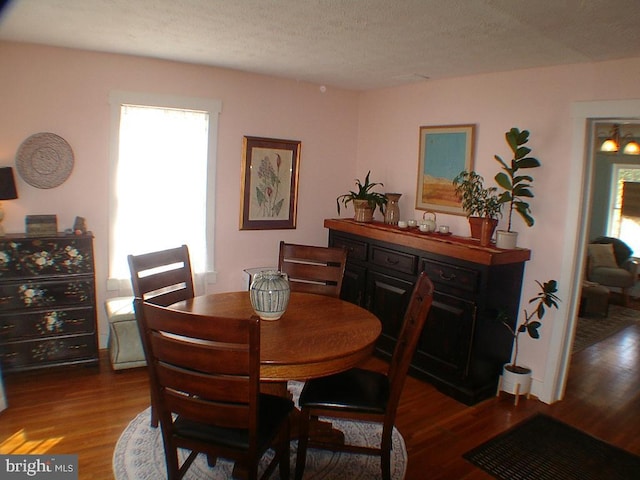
(66, 92)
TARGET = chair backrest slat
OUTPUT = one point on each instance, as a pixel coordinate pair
(313, 269)
(162, 277)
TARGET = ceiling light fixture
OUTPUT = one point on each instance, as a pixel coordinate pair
(614, 141)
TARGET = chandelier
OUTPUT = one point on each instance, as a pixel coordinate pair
(614, 142)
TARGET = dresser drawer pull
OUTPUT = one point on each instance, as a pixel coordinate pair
(6, 328)
(8, 356)
(448, 278)
(392, 261)
(74, 321)
(78, 347)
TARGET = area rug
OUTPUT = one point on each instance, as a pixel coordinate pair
(591, 330)
(139, 454)
(542, 448)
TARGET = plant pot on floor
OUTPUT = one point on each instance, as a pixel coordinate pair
(506, 240)
(515, 380)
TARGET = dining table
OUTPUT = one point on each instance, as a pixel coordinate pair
(316, 336)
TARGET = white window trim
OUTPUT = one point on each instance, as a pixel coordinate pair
(214, 107)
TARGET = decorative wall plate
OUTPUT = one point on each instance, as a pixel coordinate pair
(44, 160)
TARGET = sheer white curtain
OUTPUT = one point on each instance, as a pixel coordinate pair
(160, 185)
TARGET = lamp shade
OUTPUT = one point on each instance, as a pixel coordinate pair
(7, 184)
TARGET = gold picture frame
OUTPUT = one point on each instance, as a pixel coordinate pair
(444, 152)
(269, 196)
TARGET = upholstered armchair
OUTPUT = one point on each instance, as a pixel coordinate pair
(610, 264)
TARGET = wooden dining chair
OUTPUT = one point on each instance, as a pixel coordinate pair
(313, 269)
(205, 372)
(365, 395)
(163, 277)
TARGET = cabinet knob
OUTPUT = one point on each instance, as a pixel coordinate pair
(446, 277)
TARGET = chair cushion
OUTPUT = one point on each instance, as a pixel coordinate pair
(355, 389)
(601, 255)
(273, 411)
(612, 277)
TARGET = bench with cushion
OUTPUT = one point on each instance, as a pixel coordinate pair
(125, 346)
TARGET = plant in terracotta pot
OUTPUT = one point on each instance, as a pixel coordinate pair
(364, 200)
(516, 185)
(518, 377)
(478, 202)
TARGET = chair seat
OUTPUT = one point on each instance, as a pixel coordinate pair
(356, 389)
(612, 277)
(273, 411)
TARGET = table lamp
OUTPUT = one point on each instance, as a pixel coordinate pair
(7, 191)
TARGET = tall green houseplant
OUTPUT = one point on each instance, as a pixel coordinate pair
(516, 186)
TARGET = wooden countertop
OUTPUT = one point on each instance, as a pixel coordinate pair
(464, 248)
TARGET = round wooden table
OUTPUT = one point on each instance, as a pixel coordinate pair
(317, 335)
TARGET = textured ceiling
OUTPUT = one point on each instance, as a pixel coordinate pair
(354, 44)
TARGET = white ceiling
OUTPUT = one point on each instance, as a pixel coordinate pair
(354, 44)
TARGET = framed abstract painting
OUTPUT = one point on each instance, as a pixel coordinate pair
(444, 152)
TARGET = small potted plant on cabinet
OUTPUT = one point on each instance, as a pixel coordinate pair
(364, 200)
(478, 202)
(516, 186)
(516, 379)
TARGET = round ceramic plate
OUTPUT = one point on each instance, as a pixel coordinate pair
(44, 160)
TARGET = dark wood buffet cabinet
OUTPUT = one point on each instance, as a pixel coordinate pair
(47, 301)
(462, 347)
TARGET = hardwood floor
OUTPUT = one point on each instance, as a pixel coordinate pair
(84, 410)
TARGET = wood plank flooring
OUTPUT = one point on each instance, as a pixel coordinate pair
(83, 410)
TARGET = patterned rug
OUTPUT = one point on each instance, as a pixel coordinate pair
(543, 448)
(139, 454)
(591, 330)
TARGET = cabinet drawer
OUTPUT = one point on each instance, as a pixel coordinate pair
(24, 355)
(356, 250)
(34, 294)
(33, 257)
(19, 326)
(401, 262)
(456, 278)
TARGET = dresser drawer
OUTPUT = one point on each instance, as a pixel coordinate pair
(401, 262)
(356, 250)
(50, 352)
(451, 276)
(35, 257)
(19, 326)
(43, 294)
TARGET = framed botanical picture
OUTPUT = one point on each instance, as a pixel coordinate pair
(444, 152)
(269, 183)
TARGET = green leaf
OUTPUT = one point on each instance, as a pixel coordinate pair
(503, 180)
(522, 152)
(528, 162)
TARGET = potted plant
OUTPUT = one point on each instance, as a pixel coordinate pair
(364, 200)
(478, 202)
(516, 186)
(516, 378)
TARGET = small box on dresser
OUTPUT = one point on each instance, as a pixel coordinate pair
(47, 301)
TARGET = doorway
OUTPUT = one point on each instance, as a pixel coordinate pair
(584, 116)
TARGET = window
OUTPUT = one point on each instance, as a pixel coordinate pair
(623, 221)
(162, 180)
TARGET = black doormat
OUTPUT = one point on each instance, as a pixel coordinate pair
(542, 448)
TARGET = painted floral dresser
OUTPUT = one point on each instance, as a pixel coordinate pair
(47, 301)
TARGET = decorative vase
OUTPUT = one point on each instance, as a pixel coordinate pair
(392, 210)
(269, 293)
(506, 240)
(363, 211)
